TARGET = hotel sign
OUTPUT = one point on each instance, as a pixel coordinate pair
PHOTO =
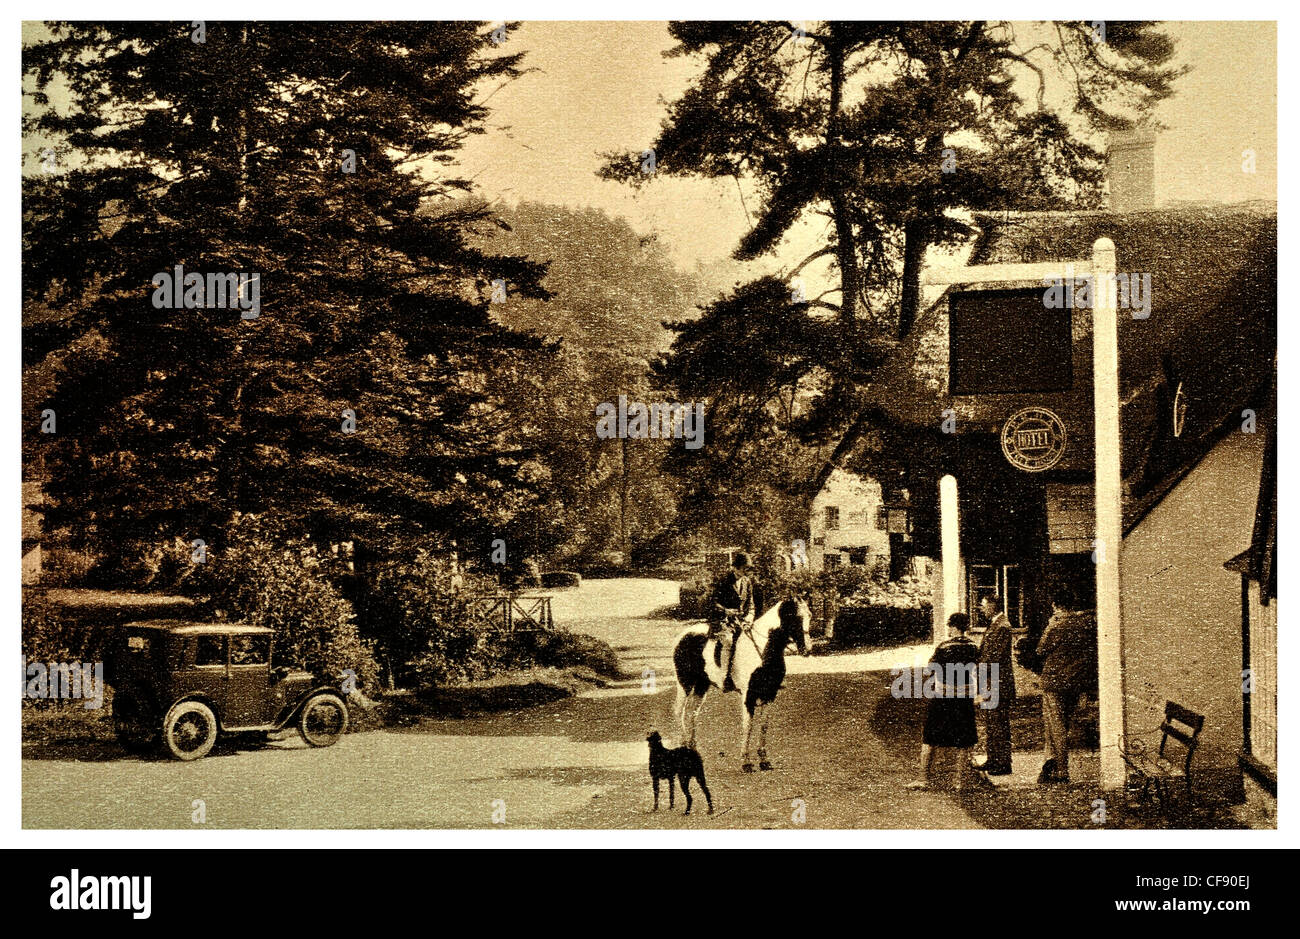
(1033, 439)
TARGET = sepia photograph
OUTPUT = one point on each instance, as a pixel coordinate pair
(682, 426)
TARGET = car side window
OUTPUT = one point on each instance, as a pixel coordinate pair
(211, 651)
(250, 650)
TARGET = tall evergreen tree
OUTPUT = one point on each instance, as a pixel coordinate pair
(298, 153)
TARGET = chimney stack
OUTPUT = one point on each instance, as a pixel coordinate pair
(1131, 170)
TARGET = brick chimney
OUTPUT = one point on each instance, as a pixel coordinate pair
(1131, 170)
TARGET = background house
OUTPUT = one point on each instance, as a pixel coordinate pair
(844, 522)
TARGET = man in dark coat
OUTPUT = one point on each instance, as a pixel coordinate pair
(996, 700)
(1068, 651)
(733, 609)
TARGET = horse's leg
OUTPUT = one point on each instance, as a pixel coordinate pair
(762, 739)
(747, 729)
(690, 711)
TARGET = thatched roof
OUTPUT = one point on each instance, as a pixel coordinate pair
(1212, 328)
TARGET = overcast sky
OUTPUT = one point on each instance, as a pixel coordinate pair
(598, 87)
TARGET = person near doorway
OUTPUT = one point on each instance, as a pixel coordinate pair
(733, 609)
(996, 701)
(950, 708)
(1068, 653)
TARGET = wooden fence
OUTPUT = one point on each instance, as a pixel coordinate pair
(514, 614)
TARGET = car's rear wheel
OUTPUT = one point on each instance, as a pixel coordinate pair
(190, 730)
(323, 720)
(135, 720)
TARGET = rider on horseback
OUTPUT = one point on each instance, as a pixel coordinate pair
(733, 610)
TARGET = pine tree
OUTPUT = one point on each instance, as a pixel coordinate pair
(359, 401)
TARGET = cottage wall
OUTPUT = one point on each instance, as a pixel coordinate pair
(859, 500)
(1181, 608)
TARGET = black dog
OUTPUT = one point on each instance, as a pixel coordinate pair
(682, 764)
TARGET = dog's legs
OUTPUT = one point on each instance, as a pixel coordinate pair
(705, 789)
(686, 790)
(671, 791)
(656, 782)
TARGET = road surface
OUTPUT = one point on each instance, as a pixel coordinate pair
(841, 745)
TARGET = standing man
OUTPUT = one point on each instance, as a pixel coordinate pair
(995, 657)
(733, 609)
(1068, 651)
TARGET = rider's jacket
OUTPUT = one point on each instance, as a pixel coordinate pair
(734, 591)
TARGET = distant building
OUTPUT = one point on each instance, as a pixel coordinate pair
(843, 524)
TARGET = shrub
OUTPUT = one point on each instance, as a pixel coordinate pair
(694, 598)
(46, 636)
(564, 650)
(560, 579)
(427, 631)
(825, 590)
(882, 612)
(267, 581)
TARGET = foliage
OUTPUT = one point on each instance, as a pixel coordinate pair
(267, 579)
(611, 289)
(886, 134)
(228, 155)
(47, 636)
(908, 592)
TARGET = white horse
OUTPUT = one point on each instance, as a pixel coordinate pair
(757, 670)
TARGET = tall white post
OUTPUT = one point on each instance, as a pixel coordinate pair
(1110, 507)
(950, 553)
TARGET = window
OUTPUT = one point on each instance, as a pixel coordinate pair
(833, 560)
(832, 517)
(250, 650)
(858, 556)
(210, 652)
(1002, 582)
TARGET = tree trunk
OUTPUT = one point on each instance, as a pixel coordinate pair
(845, 245)
(909, 307)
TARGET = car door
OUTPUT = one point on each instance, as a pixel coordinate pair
(248, 698)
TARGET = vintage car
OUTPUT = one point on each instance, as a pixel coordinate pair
(183, 683)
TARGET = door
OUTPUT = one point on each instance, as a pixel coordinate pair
(248, 697)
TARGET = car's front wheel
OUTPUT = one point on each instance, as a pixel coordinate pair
(323, 720)
(134, 720)
(190, 730)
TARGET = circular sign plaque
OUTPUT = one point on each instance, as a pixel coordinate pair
(1033, 439)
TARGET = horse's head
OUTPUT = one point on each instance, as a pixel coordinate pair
(795, 623)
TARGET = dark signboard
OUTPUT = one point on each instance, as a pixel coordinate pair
(1006, 341)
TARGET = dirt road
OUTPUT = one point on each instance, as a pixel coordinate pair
(842, 747)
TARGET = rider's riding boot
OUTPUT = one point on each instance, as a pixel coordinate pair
(727, 683)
